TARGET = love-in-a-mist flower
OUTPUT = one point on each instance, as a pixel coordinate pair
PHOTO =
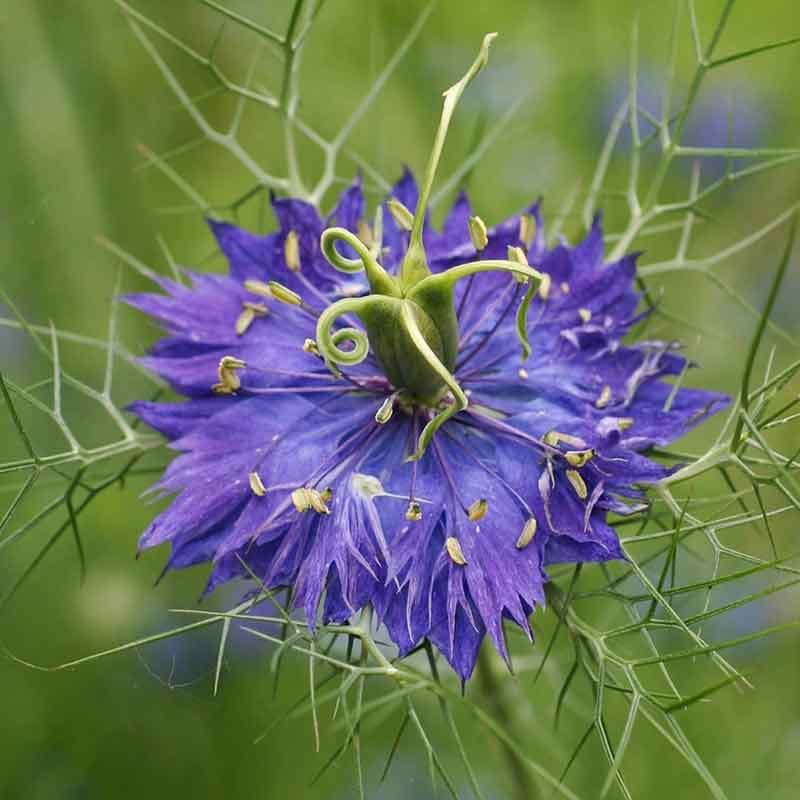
(415, 420)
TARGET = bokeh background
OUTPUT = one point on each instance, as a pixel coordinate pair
(78, 97)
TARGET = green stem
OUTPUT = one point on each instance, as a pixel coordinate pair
(507, 714)
(288, 100)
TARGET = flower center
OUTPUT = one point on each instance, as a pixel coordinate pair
(409, 320)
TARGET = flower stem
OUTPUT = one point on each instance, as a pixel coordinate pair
(506, 712)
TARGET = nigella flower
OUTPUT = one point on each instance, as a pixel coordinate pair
(361, 426)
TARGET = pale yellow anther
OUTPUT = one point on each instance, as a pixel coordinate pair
(310, 346)
(565, 287)
(400, 213)
(523, 373)
(623, 423)
(478, 510)
(478, 233)
(228, 378)
(257, 485)
(544, 286)
(517, 254)
(384, 413)
(291, 251)
(300, 499)
(578, 484)
(284, 294)
(249, 312)
(231, 362)
(604, 398)
(305, 498)
(365, 233)
(578, 458)
(255, 286)
(414, 512)
(317, 502)
(527, 229)
(454, 551)
(527, 533)
(243, 321)
(554, 438)
(585, 314)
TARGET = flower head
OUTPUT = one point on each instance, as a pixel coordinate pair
(418, 420)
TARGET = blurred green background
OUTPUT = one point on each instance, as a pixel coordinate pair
(77, 96)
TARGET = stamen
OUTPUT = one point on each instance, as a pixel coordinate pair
(585, 314)
(400, 213)
(527, 533)
(527, 229)
(243, 321)
(565, 287)
(255, 286)
(604, 398)
(478, 233)
(249, 312)
(384, 413)
(305, 498)
(523, 373)
(554, 438)
(228, 378)
(478, 510)
(414, 512)
(578, 458)
(454, 551)
(231, 362)
(284, 295)
(623, 423)
(517, 254)
(291, 251)
(257, 485)
(367, 486)
(365, 233)
(544, 286)
(310, 346)
(578, 484)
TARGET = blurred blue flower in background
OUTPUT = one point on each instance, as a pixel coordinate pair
(726, 114)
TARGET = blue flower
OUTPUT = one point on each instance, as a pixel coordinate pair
(305, 464)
